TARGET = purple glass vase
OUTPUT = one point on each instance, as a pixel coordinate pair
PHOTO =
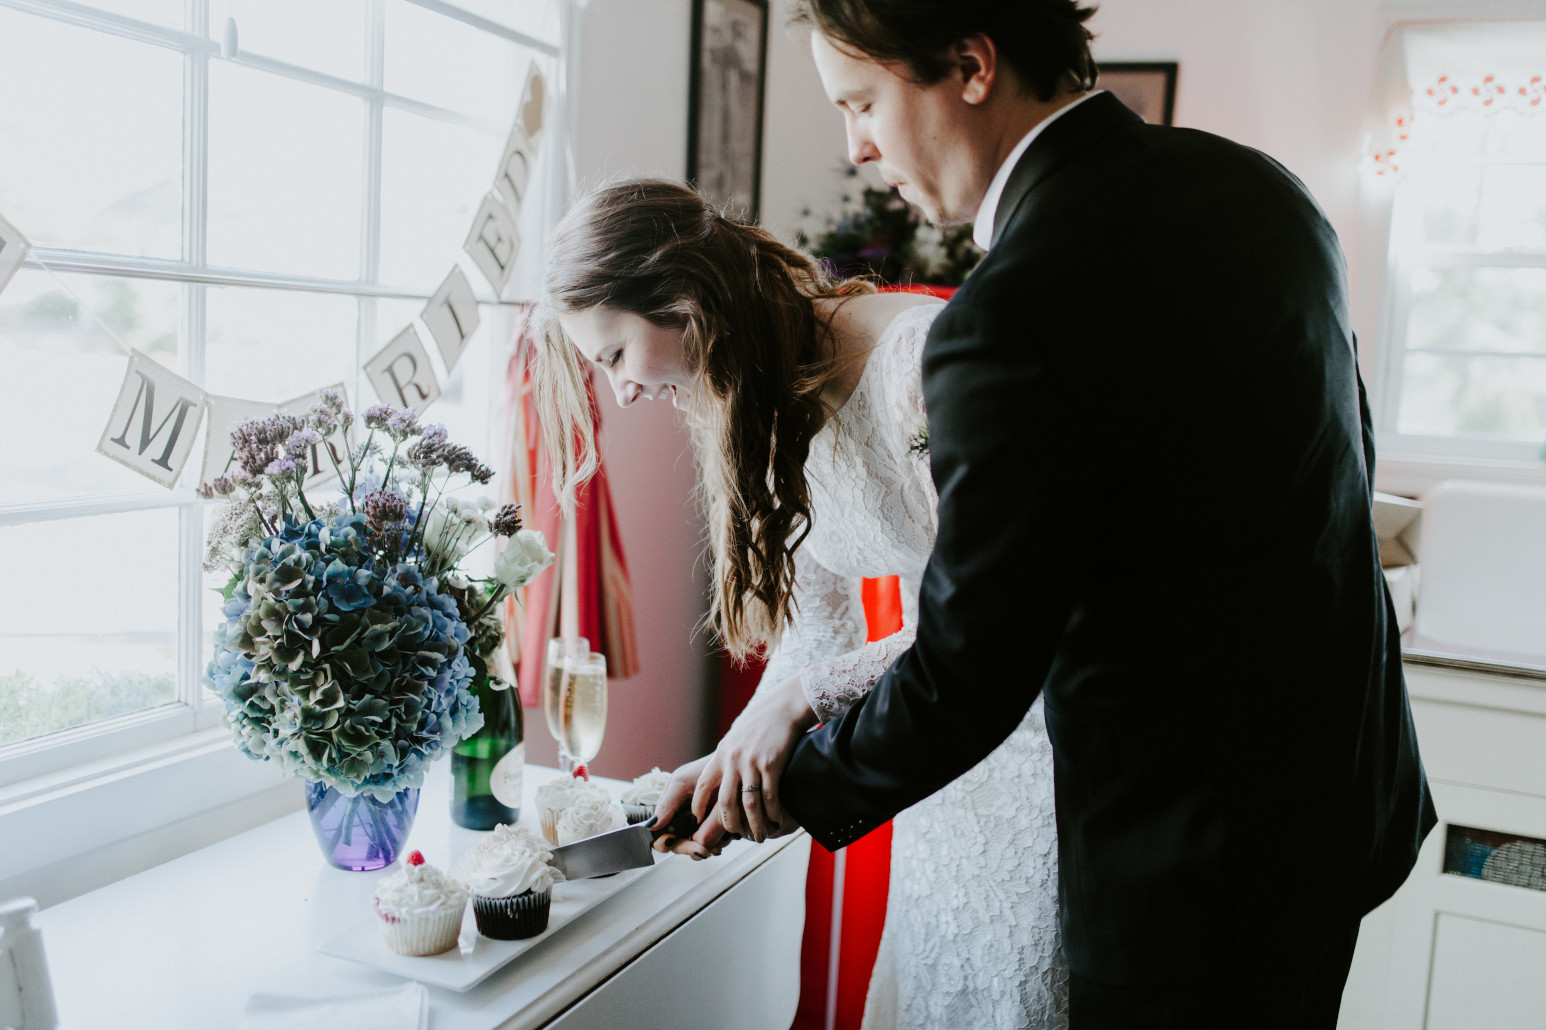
(360, 833)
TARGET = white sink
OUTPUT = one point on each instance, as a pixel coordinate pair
(1483, 555)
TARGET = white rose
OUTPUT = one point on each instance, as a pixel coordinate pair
(525, 555)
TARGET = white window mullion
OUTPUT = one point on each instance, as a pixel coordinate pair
(370, 244)
(190, 614)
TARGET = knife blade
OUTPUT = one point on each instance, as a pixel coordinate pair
(616, 850)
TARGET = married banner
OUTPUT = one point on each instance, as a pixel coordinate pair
(157, 414)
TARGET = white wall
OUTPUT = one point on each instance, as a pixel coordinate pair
(632, 120)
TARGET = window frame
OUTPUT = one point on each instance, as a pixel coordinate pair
(1412, 464)
(38, 764)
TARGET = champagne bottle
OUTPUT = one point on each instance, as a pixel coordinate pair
(487, 767)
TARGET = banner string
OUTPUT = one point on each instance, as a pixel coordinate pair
(82, 305)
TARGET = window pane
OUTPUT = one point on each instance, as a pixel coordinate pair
(274, 345)
(423, 49)
(1478, 309)
(67, 660)
(46, 341)
(285, 174)
(327, 37)
(161, 12)
(1512, 212)
(1444, 395)
(433, 177)
(90, 138)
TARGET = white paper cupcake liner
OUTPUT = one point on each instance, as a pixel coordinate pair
(421, 935)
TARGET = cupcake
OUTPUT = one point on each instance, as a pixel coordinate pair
(419, 908)
(504, 835)
(589, 814)
(556, 795)
(640, 799)
(512, 890)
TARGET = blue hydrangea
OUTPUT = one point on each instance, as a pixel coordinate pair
(340, 667)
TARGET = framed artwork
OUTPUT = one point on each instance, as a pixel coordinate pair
(1148, 87)
(724, 116)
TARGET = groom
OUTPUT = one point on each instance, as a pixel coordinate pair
(1154, 462)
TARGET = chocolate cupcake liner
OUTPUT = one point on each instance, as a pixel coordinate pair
(638, 813)
(420, 935)
(512, 919)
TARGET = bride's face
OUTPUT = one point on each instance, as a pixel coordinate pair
(641, 359)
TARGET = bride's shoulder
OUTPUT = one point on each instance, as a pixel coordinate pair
(871, 320)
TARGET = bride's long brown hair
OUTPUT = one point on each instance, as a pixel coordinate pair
(758, 355)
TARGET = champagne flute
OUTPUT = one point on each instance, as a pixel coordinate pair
(552, 679)
(582, 707)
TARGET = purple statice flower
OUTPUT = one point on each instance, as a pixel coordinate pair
(457, 458)
(257, 441)
(384, 508)
(332, 400)
(280, 467)
(506, 521)
(301, 440)
(322, 419)
(376, 416)
(404, 421)
(434, 434)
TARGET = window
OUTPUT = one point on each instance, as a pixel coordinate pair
(260, 225)
(1464, 362)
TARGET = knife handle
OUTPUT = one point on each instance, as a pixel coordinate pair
(684, 824)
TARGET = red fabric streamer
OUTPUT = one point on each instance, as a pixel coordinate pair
(591, 565)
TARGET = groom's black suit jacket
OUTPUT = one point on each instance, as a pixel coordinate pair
(1154, 462)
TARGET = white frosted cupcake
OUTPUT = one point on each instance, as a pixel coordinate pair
(557, 795)
(503, 836)
(419, 908)
(640, 799)
(588, 815)
(512, 890)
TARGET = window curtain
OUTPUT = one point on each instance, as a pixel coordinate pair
(1428, 69)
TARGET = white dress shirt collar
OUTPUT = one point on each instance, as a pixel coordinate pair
(982, 226)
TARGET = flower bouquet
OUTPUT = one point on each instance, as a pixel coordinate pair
(351, 635)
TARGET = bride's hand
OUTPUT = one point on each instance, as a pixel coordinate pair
(677, 794)
(745, 769)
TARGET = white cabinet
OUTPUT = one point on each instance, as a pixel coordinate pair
(1452, 951)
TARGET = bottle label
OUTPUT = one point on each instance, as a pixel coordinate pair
(505, 780)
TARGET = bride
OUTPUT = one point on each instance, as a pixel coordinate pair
(803, 397)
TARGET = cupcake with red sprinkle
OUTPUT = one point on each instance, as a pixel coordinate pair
(419, 908)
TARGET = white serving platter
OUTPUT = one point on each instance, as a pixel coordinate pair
(475, 958)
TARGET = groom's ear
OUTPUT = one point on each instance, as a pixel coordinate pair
(977, 65)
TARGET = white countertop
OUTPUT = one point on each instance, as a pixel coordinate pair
(185, 944)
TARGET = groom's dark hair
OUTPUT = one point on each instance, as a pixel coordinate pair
(1044, 41)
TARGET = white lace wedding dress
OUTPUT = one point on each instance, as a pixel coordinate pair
(971, 936)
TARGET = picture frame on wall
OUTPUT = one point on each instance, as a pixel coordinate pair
(725, 97)
(1147, 87)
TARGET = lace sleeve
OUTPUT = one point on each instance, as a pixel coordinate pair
(828, 621)
(833, 685)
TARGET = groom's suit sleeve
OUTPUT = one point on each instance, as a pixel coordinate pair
(1014, 454)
